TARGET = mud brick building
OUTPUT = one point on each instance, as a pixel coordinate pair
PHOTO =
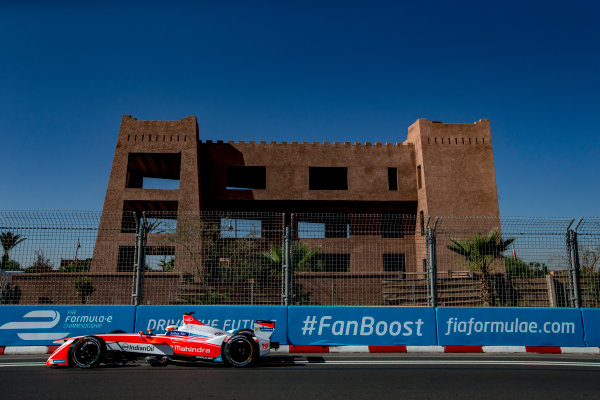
(439, 169)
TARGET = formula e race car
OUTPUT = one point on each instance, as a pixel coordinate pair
(192, 341)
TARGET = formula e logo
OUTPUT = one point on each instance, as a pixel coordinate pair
(38, 319)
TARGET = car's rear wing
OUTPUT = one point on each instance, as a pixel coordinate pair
(263, 330)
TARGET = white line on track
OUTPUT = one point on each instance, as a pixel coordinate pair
(23, 364)
(446, 362)
(394, 362)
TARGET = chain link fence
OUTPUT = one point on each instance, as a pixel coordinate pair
(234, 258)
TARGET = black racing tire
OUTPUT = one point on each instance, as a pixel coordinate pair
(87, 352)
(247, 332)
(240, 351)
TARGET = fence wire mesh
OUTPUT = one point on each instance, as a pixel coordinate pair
(214, 258)
(508, 261)
(588, 238)
(356, 259)
(234, 258)
(61, 258)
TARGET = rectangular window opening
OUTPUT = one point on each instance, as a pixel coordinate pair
(419, 179)
(160, 258)
(234, 228)
(322, 227)
(161, 216)
(393, 178)
(328, 178)
(159, 183)
(394, 262)
(330, 262)
(396, 225)
(422, 222)
(311, 230)
(246, 178)
(160, 225)
(153, 170)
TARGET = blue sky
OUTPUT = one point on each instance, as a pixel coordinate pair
(316, 71)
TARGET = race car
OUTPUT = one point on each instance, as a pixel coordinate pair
(192, 341)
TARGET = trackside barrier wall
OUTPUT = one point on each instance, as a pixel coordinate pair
(591, 325)
(222, 317)
(41, 325)
(379, 326)
(509, 327)
(382, 326)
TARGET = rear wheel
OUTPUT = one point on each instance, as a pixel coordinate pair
(240, 351)
(87, 352)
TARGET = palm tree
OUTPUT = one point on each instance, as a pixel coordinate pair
(479, 253)
(301, 256)
(9, 240)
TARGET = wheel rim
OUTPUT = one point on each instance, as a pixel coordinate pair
(87, 352)
(240, 351)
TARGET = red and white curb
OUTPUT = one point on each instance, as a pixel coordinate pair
(287, 349)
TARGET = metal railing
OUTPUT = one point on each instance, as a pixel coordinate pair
(242, 258)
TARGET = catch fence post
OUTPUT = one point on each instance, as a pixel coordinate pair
(283, 230)
(574, 265)
(432, 264)
(138, 268)
(134, 293)
(286, 266)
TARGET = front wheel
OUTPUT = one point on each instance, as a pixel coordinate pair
(240, 351)
(87, 352)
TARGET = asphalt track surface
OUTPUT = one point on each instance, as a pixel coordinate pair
(439, 376)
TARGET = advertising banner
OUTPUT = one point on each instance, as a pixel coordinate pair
(223, 317)
(490, 326)
(591, 325)
(41, 325)
(382, 326)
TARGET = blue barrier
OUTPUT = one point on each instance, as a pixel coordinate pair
(222, 317)
(42, 324)
(509, 327)
(380, 326)
(591, 324)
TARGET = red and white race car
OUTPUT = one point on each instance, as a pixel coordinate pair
(192, 341)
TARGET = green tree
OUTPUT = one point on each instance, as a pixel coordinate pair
(479, 253)
(589, 259)
(302, 260)
(8, 240)
(12, 265)
(167, 266)
(75, 267)
(519, 267)
(217, 262)
(84, 288)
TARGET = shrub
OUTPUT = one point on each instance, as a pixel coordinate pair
(84, 288)
(41, 264)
